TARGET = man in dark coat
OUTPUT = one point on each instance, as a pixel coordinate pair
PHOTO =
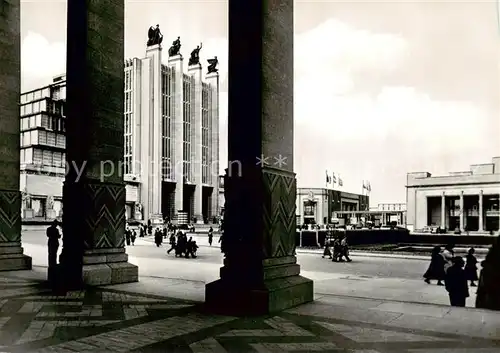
(53, 236)
(456, 282)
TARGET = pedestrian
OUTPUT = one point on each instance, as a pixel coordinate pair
(471, 267)
(127, 236)
(436, 267)
(210, 236)
(456, 282)
(53, 236)
(172, 243)
(133, 237)
(327, 251)
(448, 255)
(158, 237)
(344, 248)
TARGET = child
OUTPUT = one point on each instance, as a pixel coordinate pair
(471, 267)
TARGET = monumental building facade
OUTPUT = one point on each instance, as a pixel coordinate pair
(320, 205)
(171, 163)
(467, 201)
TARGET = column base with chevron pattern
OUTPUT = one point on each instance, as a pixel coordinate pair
(260, 273)
(94, 219)
(11, 252)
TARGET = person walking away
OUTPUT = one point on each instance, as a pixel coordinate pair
(158, 237)
(345, 248)
(471, 267)
(436, 267)
(141, 231)
(210, 236)
(181, 244)
(172, 243)
(53, 236)
(337, 254)
(327, 251)
(456, 282)
(448, 255)
(133, 237)
(127, 236)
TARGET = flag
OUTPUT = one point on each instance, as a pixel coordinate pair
(340, 182)
(364, 185)
(368, 186)
(328, 179)
(334, 178)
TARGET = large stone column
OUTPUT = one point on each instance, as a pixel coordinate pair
(481, 212)
(213, 80)
(176, 63)
(195, 71)
(94, 191)
(11, 252)
(443, 211)
(260, 273)
(462, 212)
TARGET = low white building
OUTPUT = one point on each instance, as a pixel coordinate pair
(468, 201)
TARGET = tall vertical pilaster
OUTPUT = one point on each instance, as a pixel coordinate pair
(94, 191)
(443, 211)
(195, 71)
(213, 80)
(146, 140)
(260, 273)
(462, 212)
(176, 63)
(481, 212)
(155, 159)
(11, 252)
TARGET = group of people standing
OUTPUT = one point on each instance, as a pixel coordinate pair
(340, 248)
(454, 271)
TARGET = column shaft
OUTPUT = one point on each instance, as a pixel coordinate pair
(443, 211)
(94, 191)
(462, 212)
(481, 212)
(260, 273)
(11, 252)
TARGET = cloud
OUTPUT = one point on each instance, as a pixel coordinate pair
(41, 60)
(345, 124)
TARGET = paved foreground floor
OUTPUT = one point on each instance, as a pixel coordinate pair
(111, 320)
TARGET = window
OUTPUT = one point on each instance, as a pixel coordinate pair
(22, 156)
(57, 159)
(51, 139)
(28, 155)
(34, 137)
(47, 157)
(42, 137)
(37, 157)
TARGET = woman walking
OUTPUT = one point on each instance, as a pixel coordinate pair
(436, 267)
(471, 267)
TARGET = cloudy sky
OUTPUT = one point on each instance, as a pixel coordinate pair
(382, 88)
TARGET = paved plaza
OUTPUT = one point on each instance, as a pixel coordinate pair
(398, 279)
(114, 319)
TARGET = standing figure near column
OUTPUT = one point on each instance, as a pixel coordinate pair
(53, 236)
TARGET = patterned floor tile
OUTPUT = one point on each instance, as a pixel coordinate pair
(107, 320)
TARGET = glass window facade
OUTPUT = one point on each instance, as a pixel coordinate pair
(187, 120)
(167, 84)
(128, 120)
(206, 128)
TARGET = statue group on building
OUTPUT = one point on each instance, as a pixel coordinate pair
(155, 38)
